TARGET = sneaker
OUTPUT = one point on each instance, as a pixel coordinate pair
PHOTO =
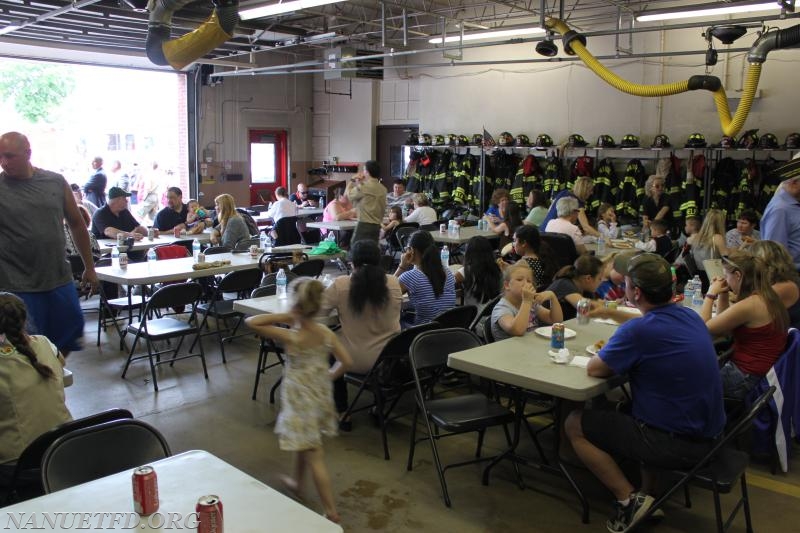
(626, 517)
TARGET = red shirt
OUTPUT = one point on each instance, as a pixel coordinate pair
(755, 350)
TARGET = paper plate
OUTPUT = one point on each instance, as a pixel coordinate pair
(592, 350)
(547, 331)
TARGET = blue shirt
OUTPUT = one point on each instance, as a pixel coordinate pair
(552, 213)
(422, 297)
(674, 376)
(781, 223)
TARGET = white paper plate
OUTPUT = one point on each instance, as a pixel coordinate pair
(547, 331)
(592, 350)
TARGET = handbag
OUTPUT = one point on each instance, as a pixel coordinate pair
(713, 266)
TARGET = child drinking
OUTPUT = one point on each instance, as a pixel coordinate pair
(521, 307)
(659, 242)
(195, 217)
(307, 409)
(607, 221)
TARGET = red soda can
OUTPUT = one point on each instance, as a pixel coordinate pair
(209, 514)
(145, 490)
(557, 336)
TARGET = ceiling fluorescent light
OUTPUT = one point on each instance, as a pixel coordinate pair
(707, 11)
(517, 32)
(285, 7)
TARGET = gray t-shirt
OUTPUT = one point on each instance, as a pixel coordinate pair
(32, 257)
(504, 307)
(235, 231)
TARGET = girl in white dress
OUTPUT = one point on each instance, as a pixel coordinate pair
(307, 408)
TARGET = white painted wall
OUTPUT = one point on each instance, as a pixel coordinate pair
(561, 98)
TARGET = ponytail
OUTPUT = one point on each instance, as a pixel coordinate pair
(13, 316)
(431, 263)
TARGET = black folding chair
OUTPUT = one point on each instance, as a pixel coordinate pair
(159, 329)
(457, 317)
(267, 345)
(26, 481)
(100, 450)
(241, 283)
(111, 311)
(388, 379)
(481, 322)
(562, 246)
(395, 244)
(286, 231)
(311, 268)
(213, 250)
(719, 471)
(308, 235)
(245, 244)
(452, 414)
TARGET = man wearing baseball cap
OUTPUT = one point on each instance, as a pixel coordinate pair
(677, 410)
(114, 218)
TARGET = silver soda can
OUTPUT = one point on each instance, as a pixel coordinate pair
(442, 228)
(120, 239)
(583, 311)
(123, 260)
(201, 257)
(151, 233)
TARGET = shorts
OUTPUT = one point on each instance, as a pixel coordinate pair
(622, 435)
(57, 315)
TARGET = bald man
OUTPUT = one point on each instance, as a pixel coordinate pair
(95, 188)
(35, 203)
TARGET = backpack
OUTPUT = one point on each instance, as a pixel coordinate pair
(252, 227)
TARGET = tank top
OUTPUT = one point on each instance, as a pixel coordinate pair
(755, 350)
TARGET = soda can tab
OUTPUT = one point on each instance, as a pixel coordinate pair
(209, 514)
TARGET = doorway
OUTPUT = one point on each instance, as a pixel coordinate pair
(268, 158)
(389, 149)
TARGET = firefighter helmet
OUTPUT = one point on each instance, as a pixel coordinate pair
(544, 141)
(768, 141)
(451, 139)
(438, 140)
(605, 141)
(413, 138)
(505, 139)
(630, 141)
(727, 142)
(696, 140)
(748, 140)
(425, 139)
(792, 141)
(523, 140)
(477, 139)
(660, 141)
(462, 140)
(576, 140)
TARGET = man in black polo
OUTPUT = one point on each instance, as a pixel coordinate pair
(172, 217)
(114, 218)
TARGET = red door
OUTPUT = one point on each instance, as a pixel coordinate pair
(268, 164)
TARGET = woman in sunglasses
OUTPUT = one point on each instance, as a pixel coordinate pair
(757, 321)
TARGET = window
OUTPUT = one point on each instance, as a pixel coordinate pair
(262, 162)
(113, 142)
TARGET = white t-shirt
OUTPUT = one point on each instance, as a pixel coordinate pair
(282, 208)
(559, 225)
(423, 216)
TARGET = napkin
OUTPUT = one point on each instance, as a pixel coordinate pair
(609, 321)
(211, 264)
(580, 361)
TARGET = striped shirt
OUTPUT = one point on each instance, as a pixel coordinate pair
(422, 298)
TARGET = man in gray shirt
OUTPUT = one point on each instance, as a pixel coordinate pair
(33, 265)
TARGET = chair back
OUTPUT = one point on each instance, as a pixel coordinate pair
(100, 450)
(286, 230)
(212, 250)
(311, 268)
(390, 366)
(264, 290)
(457, 317)
(186, 243)
(170, 251)
(562, 246)
(308, 235)
(242, 281)
(245, 244)
(175, 295)
(401, 235)
(252, 227)
(430, 349)
(259, 208)
(481, 326)
(395, 245)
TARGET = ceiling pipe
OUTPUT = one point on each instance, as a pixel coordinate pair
(570, 59)
(50, 14)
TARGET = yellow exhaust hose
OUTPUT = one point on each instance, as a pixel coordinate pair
(195, 44)
(729, 127)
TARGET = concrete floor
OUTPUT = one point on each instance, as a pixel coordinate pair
(218, 415)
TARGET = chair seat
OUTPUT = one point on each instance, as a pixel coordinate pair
(163, 327)
(122, 303)
(726, 469)
(221, 309)
(467, 413)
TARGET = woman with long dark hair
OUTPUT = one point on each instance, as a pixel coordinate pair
(368, 303)
(480, 276)
(758, 321)
(31, 382)
(528, 245)
(512, 219)
(576, 281)
(430, 286)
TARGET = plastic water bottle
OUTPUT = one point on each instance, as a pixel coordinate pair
(322, 202)
(266, 242)
(195, 249)
(697, 297)
(331, 237)
(601, 246)
(280, 284)
(688, 293)
(445, 256)
(152, 256)
(645, 234)
(405, 210)
(674, 281)
(115, 257)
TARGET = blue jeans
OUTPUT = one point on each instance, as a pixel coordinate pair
(735, 383)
